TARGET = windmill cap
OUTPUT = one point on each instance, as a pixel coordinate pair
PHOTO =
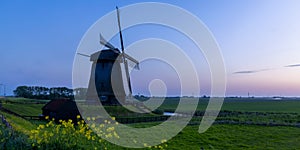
(105, 55)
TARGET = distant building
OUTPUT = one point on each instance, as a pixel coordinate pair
(63, 109)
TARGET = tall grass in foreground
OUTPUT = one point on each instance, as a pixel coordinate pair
(12, 140)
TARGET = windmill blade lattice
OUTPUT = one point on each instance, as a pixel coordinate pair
(131, 61)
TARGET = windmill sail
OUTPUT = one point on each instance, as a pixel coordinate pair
(120, 31)
(84, 55)
(105, 43)
(124, 59)
(131, 61)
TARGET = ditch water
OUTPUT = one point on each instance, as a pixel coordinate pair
(170, 114)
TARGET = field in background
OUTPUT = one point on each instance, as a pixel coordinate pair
(288, 105)
(250, 123)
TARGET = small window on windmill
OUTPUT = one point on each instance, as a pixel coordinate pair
(103, 98)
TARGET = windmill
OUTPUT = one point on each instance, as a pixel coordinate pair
(106, 71)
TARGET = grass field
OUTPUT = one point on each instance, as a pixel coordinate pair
(19, 124)
(237, 137)
(219, 136)
(288, 106)
(243, 104)
(25, 109)
(23, 100)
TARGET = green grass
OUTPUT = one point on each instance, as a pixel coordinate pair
(237, 137)
(12, 140)
(233, 137)
(286, 106)
(218, 136)
(24, 100)
(19, 124)
(269, 119)
(242, 104)
(170, 104)
(24, 109)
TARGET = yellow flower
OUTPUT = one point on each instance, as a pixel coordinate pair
(163, 140)
(39, 141)
(110, 129)
(108, 135)
(47, 117)
(145, 145)
(88, 118)
(116, 135)
(46, 133)
(78, 116)
(41, 126)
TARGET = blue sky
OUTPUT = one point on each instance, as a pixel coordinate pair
(258, 40)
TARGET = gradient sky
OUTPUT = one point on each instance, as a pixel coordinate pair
(259, 40)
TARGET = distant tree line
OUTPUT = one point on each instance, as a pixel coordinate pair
(39, 92)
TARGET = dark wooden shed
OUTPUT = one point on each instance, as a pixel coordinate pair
(61, 109)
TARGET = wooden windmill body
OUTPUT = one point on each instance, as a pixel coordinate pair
(106, 80)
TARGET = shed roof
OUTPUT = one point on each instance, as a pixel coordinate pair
(60, 105)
